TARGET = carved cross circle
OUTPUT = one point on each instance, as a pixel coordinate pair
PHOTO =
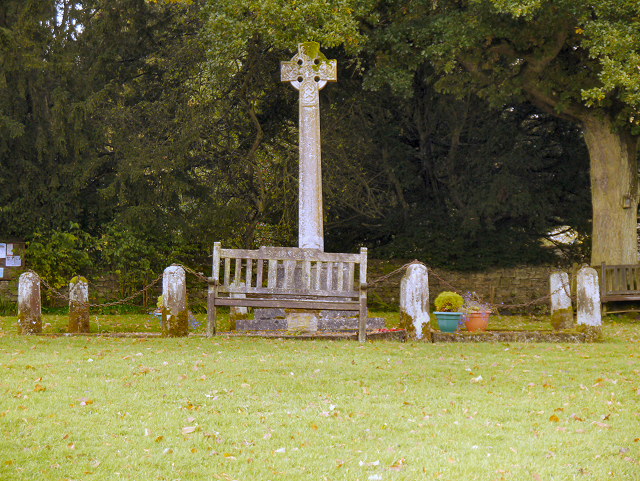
(308, 75)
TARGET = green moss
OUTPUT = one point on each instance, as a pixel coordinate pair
(312, 50)
(29, 323)
(591, 333)
(78, 318)
(562, 319)
(175, 326)
(78, 278)
(406, 323)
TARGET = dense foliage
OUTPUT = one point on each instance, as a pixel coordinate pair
(157, 128)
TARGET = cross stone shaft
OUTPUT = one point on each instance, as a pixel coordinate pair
(308, 72)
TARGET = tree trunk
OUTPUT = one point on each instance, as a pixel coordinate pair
(614, 192)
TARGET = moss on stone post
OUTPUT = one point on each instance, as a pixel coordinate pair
(175, 316)
(78, 305)
(561, 309)
(414, 303)
(29, 307)
(588, 294)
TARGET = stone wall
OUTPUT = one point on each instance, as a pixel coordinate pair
(499, 286)
(510, 286)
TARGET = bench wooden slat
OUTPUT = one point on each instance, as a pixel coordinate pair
(248, 278)
(289, 303)
(273, 272)
(238, 271)
(227, 270)
(340, 276)
(349, 275)
(259, 273)
(289, 271)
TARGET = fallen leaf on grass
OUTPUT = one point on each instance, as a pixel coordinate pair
(628, 459)
(339, 462)
(39, 388)
(553, 418)
(512, 449)
(188, 429)
(601, 425)
(159, 438)
(95, 464)
(373, 463)
(266, 436)
(536, 477)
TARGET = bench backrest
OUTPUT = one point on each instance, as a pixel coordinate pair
(621, 279)
(289, 271)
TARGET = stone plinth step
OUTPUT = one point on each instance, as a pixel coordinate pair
(324, 324)
(508, 336)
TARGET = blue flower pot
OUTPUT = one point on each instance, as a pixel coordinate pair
(448, 321)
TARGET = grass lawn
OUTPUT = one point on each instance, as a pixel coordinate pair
(86, 408)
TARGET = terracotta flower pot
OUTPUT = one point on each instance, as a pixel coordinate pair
(477, 321)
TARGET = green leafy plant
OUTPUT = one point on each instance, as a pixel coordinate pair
(57, 255)
(448, 301)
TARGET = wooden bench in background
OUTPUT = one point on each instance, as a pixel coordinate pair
(288, 277)
(619, 283)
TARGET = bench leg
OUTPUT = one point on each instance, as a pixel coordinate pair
(211, 311)
(362, 321)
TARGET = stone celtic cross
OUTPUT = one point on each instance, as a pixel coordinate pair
(309, 71)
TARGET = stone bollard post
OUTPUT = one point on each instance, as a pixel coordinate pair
(78, 305)
(29, 311)
(588, 295)
(175, 316)
(561, 309)
(414, 303)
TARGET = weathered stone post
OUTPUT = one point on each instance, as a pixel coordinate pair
(414, 303)
(175, 317)
(29, 307)
(588, 294)
(561, 309)
(78, 305)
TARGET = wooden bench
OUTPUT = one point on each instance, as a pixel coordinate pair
(619, 283)
(288, 277)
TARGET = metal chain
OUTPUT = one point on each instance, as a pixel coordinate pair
(59, 295)
(539, 300)
(199, 275)
(64, 297)
(397, 271)
(203, 278)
